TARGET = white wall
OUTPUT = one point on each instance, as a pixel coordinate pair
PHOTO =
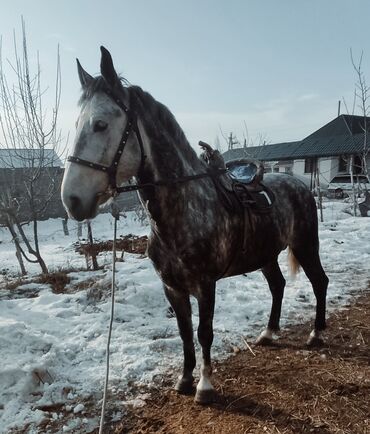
(326, 170)
(298, 169)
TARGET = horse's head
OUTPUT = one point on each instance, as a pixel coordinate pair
(106, 149)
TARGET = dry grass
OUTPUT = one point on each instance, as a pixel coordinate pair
(129, 243)
(11, 284)
(57, 280)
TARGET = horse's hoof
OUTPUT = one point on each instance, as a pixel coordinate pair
(185, 386)
(204, 397)
(263, 341)
(315, 342)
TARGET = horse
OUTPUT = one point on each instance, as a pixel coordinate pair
(123, 133)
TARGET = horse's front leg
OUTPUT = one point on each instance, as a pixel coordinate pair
(206, 301)
(180, 302)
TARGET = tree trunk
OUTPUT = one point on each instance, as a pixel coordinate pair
(18, 254)
(37, 248)
(91, 242)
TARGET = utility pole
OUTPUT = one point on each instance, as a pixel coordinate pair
(232, 140)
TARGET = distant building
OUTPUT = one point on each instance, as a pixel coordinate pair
(329, 150)
(28, 158)
(17, 167)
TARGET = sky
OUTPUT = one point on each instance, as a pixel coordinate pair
(270, 70)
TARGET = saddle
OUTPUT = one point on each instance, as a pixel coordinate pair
(240, 189)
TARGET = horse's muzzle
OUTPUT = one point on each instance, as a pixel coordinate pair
(80, 210)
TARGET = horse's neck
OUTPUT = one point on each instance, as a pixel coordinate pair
(175, 207)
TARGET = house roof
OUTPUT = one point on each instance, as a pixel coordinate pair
(27, 158)
(277, 151)
(343, 135)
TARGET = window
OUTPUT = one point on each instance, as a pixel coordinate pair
(343, 164)
(309, 165)
(357, 165)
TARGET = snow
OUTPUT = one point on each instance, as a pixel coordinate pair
(53, 345)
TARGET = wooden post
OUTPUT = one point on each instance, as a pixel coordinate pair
(353, 186)
(319, 190)
(65, 226)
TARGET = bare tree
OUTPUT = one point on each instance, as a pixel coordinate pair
(31, 140)
(217, 144)
(362, 98)
(361, 101)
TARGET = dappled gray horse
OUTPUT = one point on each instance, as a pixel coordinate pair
(123, 132)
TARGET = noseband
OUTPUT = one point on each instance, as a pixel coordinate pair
(111, 170)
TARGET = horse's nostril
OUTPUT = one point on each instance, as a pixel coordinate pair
(80, 208)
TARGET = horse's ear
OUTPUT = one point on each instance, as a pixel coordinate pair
(107, 69)
(85, 78)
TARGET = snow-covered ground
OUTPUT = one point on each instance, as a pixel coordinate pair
(52, 346)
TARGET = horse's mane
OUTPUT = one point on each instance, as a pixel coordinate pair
(158, 119)
(96, 85)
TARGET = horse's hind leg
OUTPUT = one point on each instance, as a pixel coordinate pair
(276, 283)
(206, 302)
(311, 264)
(180, 303)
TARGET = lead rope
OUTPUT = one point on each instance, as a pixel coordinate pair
(110, 325)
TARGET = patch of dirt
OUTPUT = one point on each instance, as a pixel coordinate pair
(128, 243)
(284, 389)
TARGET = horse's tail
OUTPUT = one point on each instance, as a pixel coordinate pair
(294, 265)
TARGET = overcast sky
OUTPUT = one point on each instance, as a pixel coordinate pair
(278, 66)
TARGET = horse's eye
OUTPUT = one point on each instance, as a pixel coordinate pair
(100, 126)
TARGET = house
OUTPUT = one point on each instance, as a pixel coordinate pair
(12, 158)
(331, 152)
(24, 169)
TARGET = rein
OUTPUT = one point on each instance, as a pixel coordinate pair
(111, 170)
(210, 173)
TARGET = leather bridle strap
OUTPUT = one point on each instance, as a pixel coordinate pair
(111, 170)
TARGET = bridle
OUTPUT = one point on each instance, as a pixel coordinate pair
(111, 170)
